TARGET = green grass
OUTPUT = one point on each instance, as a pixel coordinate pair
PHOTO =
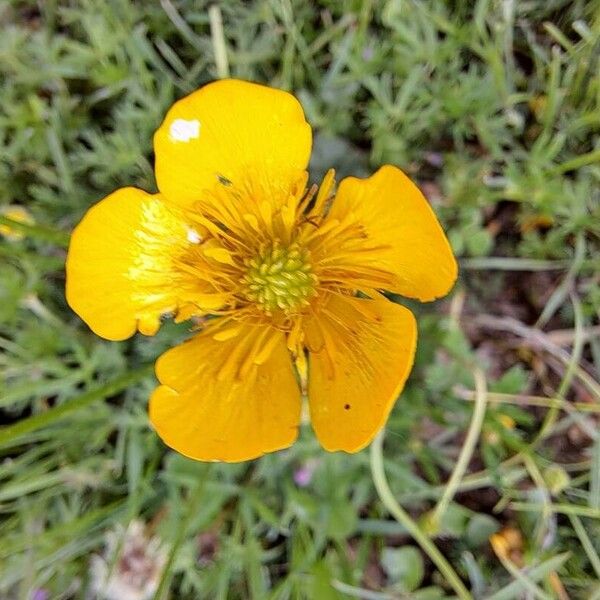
(493, 106)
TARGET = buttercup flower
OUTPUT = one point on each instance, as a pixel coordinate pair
(292, 274)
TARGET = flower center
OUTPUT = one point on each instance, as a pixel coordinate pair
(280, 279)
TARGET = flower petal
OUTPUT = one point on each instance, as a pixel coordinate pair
(229, 400)
(356, 378)
(223, 131)
(402, 230)
(120, 275)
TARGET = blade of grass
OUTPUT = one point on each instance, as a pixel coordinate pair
(218, 41)
(594, 500)
(357, 592)
(577, 162)
(44, 234)
(543, 526)
(587, 544)
(58, 155)
(572, 364)
(565, 509)
(512, 590)
(519, 576)
(181, 24)
(11, 432)
(501, 263)
(526, 400)
(289, 49)
(193, 504)
(560, 293)
(538, 339)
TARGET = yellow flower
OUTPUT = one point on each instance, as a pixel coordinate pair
(15, 213)
(508, 545)
(235, 233)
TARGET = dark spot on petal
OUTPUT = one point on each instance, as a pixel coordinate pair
(223, 180)
(346, 407)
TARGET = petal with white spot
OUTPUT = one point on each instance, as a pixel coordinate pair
(182, 130)
(193, 236)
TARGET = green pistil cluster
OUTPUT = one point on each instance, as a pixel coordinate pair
(280, 279)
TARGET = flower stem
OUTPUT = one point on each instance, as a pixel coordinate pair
(386, 496)
(468, 447)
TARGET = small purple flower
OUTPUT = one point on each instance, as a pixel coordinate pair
(368, 53)
(304, 474)
(40, 594)
(435, 159)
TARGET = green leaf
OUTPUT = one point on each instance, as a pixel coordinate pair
(480, 528)
(404, 567)
(321, 586)
(340, 520)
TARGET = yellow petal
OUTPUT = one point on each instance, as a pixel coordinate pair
(356, 378)
(218, 134)
(120, 275)
(402, 230)
(217, 404)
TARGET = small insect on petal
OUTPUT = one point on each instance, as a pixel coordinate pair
(182, 130)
